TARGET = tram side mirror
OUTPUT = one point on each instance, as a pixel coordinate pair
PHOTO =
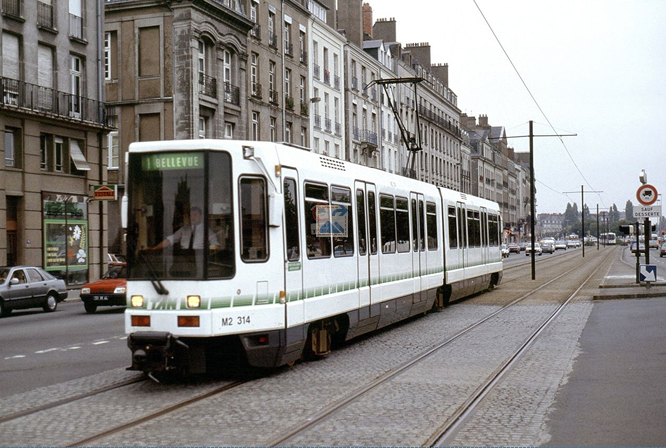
(275, 209)
(123, 211)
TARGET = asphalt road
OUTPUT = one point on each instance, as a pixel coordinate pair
(40, 349)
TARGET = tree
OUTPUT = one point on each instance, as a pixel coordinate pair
(613, 215)
(570, 216)
(586, 213)
(629, 211)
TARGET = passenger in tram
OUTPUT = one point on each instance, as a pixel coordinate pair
(190, 236)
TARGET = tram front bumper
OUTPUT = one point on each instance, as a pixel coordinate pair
(158, 352)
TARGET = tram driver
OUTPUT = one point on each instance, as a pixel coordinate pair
(191, 236)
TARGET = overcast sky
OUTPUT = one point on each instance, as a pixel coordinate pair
(597, 68)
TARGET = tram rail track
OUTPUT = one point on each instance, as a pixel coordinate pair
(470, 403)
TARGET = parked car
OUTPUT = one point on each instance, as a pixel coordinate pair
(115, 259)
(548, 247)
(662, 250)
(110, 290)
(560, 244)
(537, 249)
(522, 246)
(23, 287)
(514, 248)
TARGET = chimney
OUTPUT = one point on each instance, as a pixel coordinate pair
(350, 19)
(367, 19)
(385, 29)
(468, 123)
(421, 52)
(483, 121)
(441, 71)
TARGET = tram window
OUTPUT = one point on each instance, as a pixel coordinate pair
(493, 230)
(484, 229)
(387, 222)
(402, 223)
(415, 227)
(372, 220)
(221, 260)
(291, 220)
(343, 245)
(422, 222)
(453, 228)
(362, 235)
(254, 225)
(462, 226)
(432, 225)
(473, 228)
(317, 246)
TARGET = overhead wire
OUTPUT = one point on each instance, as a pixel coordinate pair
(535, 100)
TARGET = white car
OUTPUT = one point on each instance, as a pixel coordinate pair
(537, 249)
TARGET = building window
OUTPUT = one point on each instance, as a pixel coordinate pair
(228, 130)
(107, 55)
(59, 155)
(201, 58)
(75, 72)
(302, 89)
(287, 132)
(255, 126)
(304, 136)
(114, 150)
(272, 37)
(273, 129)
(288, 49)
(254, 74)
(76, 19)
(11, 71)
(12, 148)
(287, 82)
(202, 127)
(253, 11)
(44, 151)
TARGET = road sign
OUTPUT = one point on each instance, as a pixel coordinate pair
(647, 211)
(648, 273)
(646, 194)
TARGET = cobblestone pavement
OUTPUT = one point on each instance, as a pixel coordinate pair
(406, 412)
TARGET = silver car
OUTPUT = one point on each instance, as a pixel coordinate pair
(23, 287)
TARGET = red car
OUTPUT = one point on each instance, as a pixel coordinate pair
(107, 291)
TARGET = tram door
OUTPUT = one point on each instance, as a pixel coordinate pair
(368, 260)
(462, 234)
(416, 204)
(293, 248)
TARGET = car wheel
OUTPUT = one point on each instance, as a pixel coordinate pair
(51, 303)
(90, 307)
(4, 309)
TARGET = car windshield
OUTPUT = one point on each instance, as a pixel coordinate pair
(116, 272)
(181, 223)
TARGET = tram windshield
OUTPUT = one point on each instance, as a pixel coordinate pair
(180, 216)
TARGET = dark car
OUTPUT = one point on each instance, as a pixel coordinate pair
(23, 287)
(107, 291)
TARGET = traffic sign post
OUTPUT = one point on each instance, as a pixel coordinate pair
(648, 274)
(646, 194)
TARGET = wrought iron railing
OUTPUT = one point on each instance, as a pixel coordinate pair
(45, 15)
(207, 85)
(76, 27)
(34, 98)
(256, 90)
(231, 94)
(11, 7)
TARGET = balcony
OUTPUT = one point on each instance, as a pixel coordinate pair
(42, 100)
(304, 109)
(368, 137)
(338, 129)
(327, 77)
(273, 97)
(207, 85)
(256, 31)
(12, 8)
(231, 94)
(316, 71)
(45, 16)
(327, 125)
(76, 27)
(304, 57)
(317, 121)
(273, 40)
(336, 82)
(288, 49)
(354, 83)
(256, 90)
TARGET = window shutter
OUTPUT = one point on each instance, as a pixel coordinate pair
(45, 67)
(10, 56)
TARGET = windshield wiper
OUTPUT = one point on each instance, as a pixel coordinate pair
(155, 281)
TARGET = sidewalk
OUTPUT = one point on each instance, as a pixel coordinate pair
(620, 282)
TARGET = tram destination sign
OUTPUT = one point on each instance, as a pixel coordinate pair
(172, 161)
(647, 211)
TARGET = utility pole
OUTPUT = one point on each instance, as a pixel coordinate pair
(533, 189)
(582, 211)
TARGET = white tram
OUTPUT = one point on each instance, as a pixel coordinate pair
(262, 279)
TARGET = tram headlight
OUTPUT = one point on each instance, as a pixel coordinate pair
(194, 301)
(136, 301)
